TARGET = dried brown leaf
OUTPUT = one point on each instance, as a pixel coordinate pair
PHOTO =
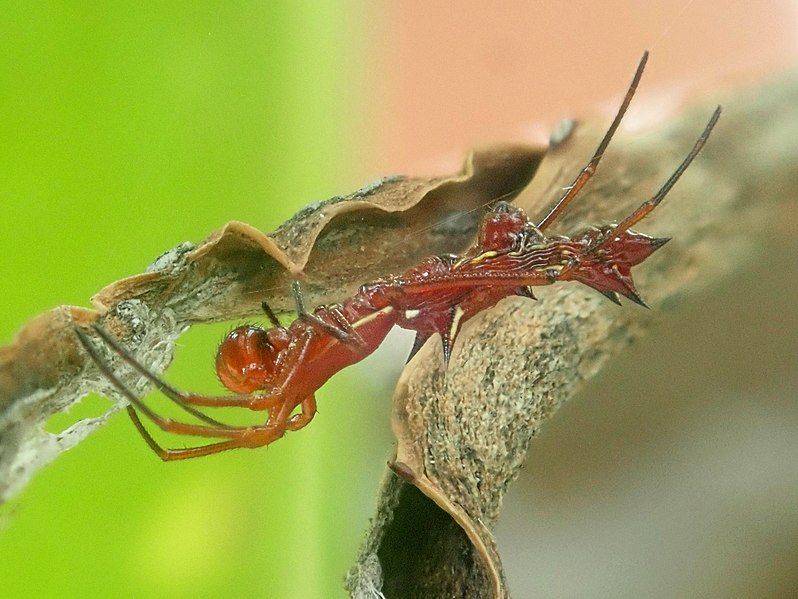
(334, 246)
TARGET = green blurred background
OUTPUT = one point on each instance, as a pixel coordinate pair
(125, 132)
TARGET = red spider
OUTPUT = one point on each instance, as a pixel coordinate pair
(281, 368)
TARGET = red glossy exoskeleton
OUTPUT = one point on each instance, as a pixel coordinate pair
(280, 369)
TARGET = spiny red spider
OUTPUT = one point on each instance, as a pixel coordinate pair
(281, 368)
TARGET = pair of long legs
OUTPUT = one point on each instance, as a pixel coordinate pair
(255, 436)
(279, 403)
(589, 170)
(280, 408)
(341, 328)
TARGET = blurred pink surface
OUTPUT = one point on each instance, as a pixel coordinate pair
(450, 76)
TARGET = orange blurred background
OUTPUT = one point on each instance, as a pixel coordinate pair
(448, 76)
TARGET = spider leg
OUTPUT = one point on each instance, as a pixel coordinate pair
(279, 406)
(302, 419)
(649, 205)
(346, 326)
(168, 455)
(239, 436)
(127, 357)
(267, 309)
(145, 434)
(236, 434)
(180, 398)
(344, 333)
(256, 436)
(217, 429)
(588, 171)
(171, 455)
